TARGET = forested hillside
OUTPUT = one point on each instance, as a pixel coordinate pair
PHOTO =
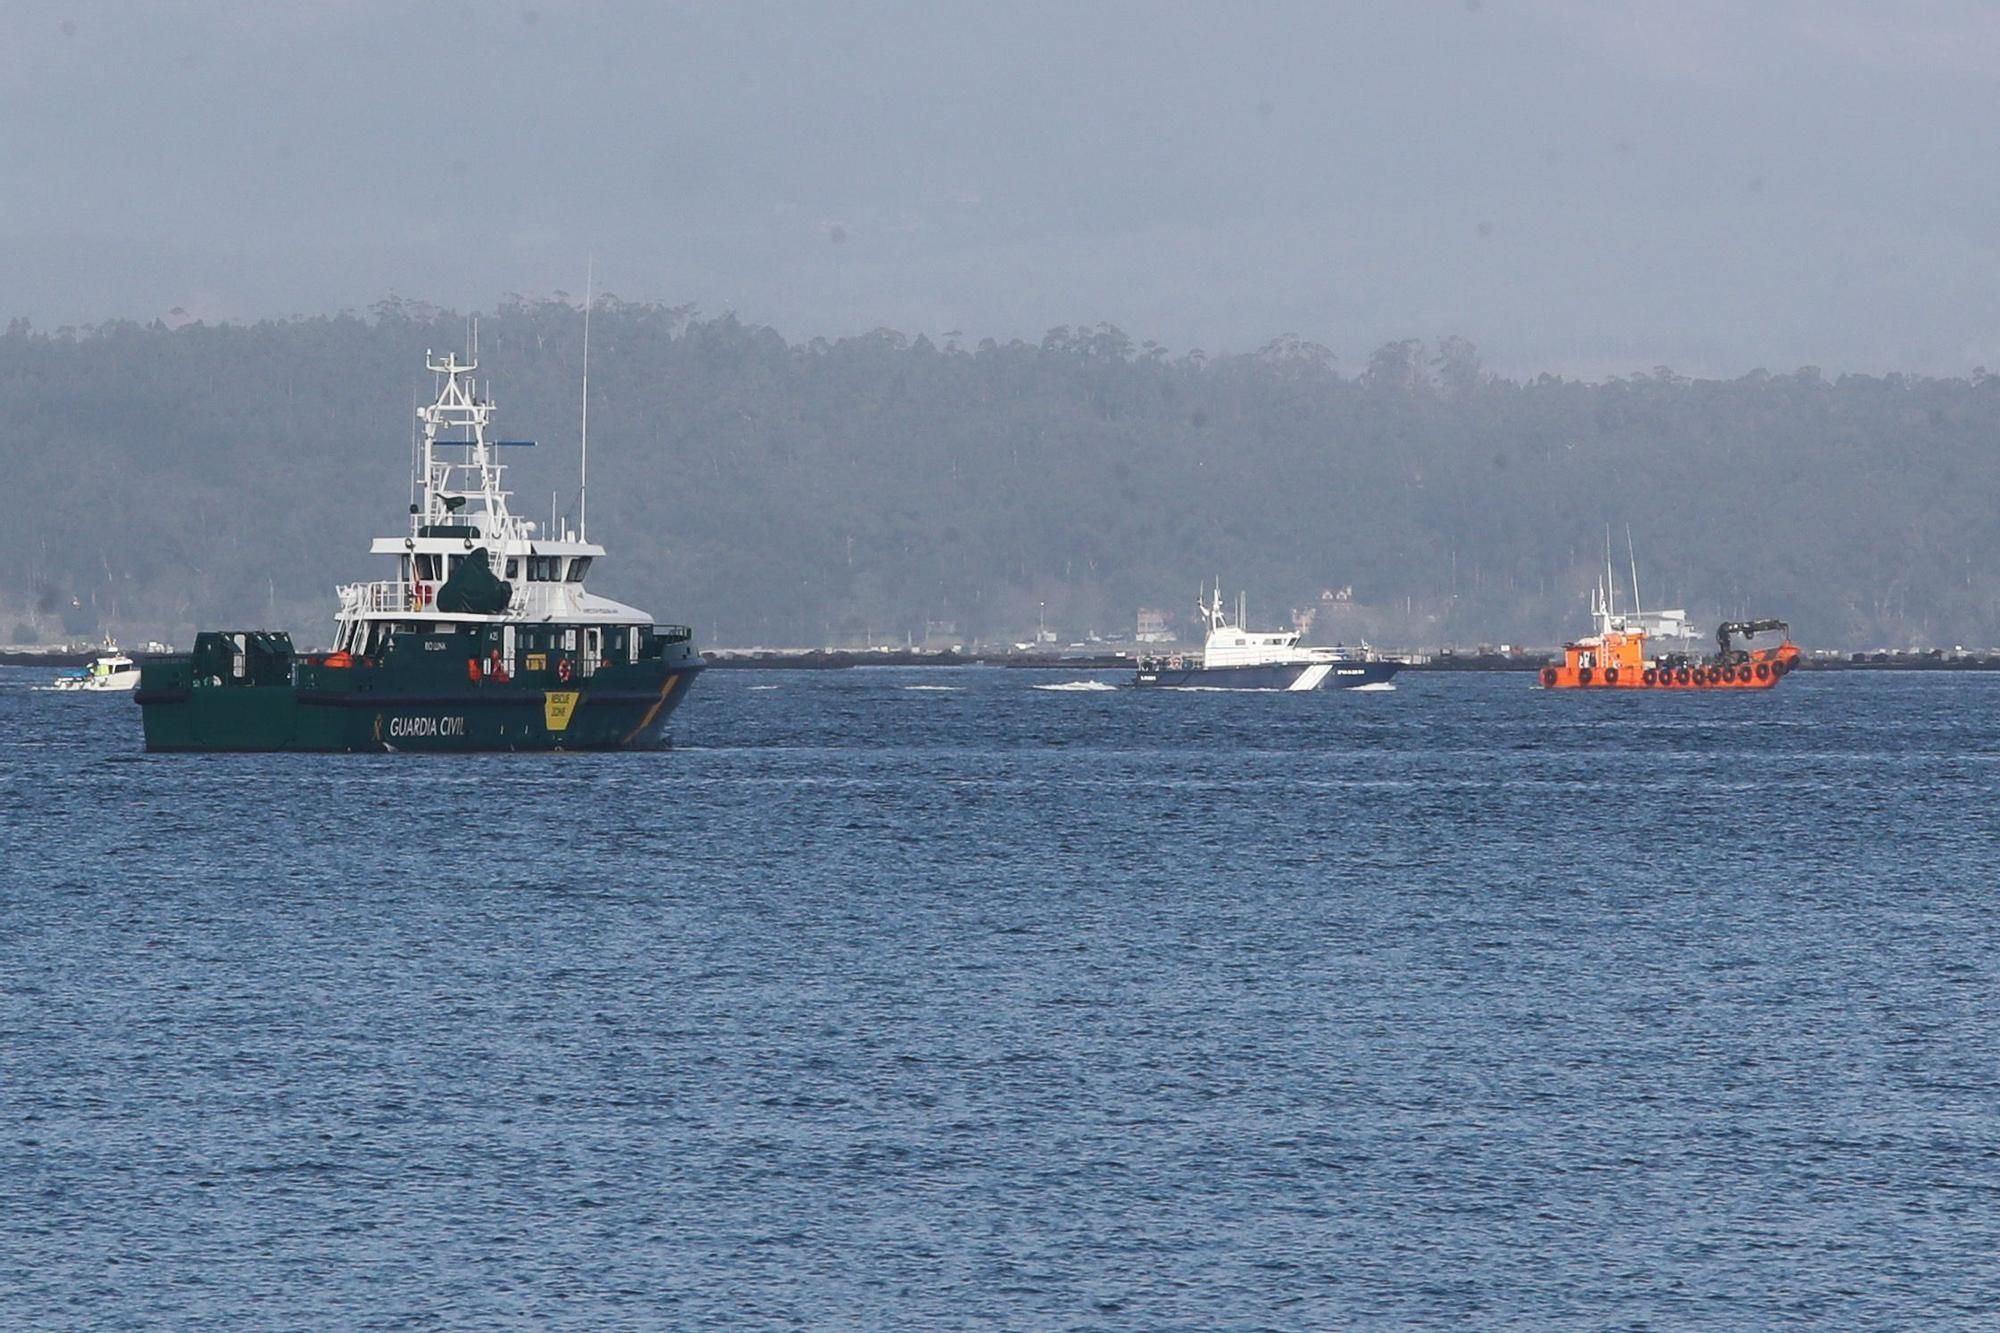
(833, 492)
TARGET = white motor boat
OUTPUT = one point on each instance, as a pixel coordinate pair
(112, 670)
(1233, 658)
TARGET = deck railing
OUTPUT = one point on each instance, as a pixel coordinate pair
(393, 595)
(382, 595)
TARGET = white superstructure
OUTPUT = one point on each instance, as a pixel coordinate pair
(461, 509)
(1228, 644)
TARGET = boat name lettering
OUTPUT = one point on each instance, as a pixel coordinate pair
(434, 646)
(426, 726)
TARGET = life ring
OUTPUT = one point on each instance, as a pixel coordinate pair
(1611, 675)
(1763, 671)
(563, 669)
(1548, 678)
(1651, 676)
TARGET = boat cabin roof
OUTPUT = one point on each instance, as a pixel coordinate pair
(457, 541)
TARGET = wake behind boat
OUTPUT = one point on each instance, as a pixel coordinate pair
(1233, 658)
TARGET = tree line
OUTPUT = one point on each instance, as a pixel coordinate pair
(866, 488)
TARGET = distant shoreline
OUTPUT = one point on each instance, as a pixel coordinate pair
(824, 659)
(838, 659)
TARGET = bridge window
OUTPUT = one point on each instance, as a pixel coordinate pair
(578, 568)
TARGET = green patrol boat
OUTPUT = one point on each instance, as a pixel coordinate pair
(486, 639)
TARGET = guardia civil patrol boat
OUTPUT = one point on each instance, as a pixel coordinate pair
(1235, 658)
(487, 638)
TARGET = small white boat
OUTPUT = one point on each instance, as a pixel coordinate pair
(1233, 658)
(112, 670)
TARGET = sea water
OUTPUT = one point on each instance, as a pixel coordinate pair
(877, 1006)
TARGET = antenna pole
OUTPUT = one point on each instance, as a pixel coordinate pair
(1610, 583)
(583, 479)
(416, 448)
(1638, 607)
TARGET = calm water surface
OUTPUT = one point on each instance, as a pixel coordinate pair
(932, 998)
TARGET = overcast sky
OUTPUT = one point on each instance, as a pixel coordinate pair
(1580, 188)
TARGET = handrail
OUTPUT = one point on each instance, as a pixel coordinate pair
(398, 595)
(395, 596)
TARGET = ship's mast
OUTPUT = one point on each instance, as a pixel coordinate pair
(1638, 607)
(1211, 608)
(470, 489)
(1610, 581)
(583, 450)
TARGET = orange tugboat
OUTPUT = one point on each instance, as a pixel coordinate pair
(1616, 657)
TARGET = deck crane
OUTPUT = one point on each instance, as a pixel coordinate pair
(1748, 629)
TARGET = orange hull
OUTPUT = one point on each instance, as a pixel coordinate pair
(1618, 662)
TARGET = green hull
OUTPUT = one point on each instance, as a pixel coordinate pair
(420, 704)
